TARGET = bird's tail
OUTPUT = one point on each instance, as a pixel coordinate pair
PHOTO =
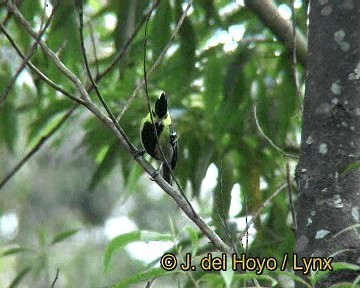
(166, 173)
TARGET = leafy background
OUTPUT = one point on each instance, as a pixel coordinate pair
(62, 203)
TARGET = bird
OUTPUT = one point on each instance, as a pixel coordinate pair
(160, 131)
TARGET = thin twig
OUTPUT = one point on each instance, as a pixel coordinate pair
(46, 137)
(56, 278)
(266, 203)
(294, 56)
(92, 37)
(269, 140)
(76, 81)
(26, 59)
(36, 70)
(110, 114)
(153, 123)
(291, 203)
(37, 146)
(222, 216)
(149, 283)
(50, 54)
(246, 223)
(122, 52)
(157, 62)
(211, 235)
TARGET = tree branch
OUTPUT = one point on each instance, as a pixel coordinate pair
(158, 60)
(268, 13)
(46, 137)
(102, 100)
(50, 54)
(263, 206)
(36, 70)
(269, 140)
(26, 59)
(38, 145)
(211, 235)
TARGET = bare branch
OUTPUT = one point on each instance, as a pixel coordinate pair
(110, 114)
(158, 60)
(184, 204)
(36, 70)
(94, 49)
(56, 278)
(54, 58)
(266, 203)
(267, 11)
(212, 236)
(269, 140)
(26, 59)
(121, 53)
(153, 123)
(38, 145)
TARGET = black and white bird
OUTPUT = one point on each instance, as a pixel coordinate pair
(160, 131)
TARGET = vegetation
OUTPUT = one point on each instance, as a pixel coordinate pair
(78, 208)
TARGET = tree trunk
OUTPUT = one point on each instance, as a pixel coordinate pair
(328, 174)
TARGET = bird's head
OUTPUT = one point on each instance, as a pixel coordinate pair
(161, 106)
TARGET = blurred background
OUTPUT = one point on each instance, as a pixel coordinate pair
(70, 206)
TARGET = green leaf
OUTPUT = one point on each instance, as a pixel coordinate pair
(350, 167)
(133, 177)
(8, 125)
(293, 277)
(63, 235)
(106, 165)
(30, 9)
(252, 275)
(228, 274)
(19, 277)
(47, 118)
(215, 279)
(68, 46)
(213, 83)
(342, 285)
(13, 251)
(337, 266)
(134, 236)
(144, 276)
(356, 282)
(194, 237)
(161, 28)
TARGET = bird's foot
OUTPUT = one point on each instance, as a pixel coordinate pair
(138, 153)
(154, 174)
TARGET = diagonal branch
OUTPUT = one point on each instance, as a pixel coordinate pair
(269, 139)
(121, 53)
(158, 60)
(211, 235)
(152, 120)
(26, 59)
(102, 100)
(38, 145)
(36, 70)
(49, 53)
(265, 204)
(268, 13)
(42, 141)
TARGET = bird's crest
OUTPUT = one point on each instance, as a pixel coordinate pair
(161, 106)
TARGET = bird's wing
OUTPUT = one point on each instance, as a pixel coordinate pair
(174, 145)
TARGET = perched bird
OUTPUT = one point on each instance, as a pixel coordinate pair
(165, 133)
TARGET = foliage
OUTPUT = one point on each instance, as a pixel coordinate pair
(213, 77)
